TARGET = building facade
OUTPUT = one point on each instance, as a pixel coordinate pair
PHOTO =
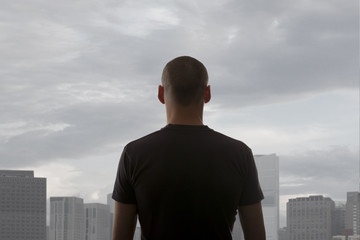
(66, 218)
(352, 220)
(282, 234)
(237, 232)
(310, 218)
(22, 206)
(339, 219)
(268, 172)
(111, 204)
(97, 221)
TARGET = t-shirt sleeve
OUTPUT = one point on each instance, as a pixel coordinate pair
(252, 192)
(123, 187)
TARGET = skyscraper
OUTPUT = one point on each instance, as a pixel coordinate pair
(66, 218)
(352, 220)
(339, 219)
(22, 206)
(310, 218)
(111, 204)
(268, 171)
(97, 221)
(237, 232)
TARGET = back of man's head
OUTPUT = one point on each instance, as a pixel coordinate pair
(185, 79)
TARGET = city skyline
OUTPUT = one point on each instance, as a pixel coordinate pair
(79, 81)
(77, 219)
(104, 199)
(280, 226)
(259, 159)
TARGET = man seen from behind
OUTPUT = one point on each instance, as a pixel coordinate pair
(186, 181)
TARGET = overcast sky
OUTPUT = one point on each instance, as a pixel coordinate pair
(79, 80)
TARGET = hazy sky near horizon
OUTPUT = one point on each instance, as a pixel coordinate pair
(78, 80)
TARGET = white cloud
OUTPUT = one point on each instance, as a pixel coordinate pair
(61, 178)
(95, 196)
(16, 128)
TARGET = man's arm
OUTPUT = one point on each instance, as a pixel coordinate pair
(252, 221)
(125, 217)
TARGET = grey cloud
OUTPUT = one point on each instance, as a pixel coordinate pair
(91, 128)
(304, 60)
(313, 54)
(47, 46)
(334, 171)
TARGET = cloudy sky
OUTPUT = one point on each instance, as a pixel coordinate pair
(78, 80)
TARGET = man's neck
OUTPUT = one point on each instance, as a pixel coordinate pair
(184, 116)
(185, 122)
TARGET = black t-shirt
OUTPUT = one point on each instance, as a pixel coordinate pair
(187, 182)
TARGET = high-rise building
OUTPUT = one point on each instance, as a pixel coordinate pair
(339, 219)
(338, 237)
(310, 218)
(22, 206)
(137, 233)
(268, 172)
(282, 234)
(354, 237)
(97, 221)
(111, 203)
(66, 218)
(237, 232)
(352, 221)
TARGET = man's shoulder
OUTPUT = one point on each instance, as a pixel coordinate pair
(226, 140)
(227, 137)
(204, 134)
(146, 138)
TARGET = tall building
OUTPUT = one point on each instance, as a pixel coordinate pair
(237, 232)
(339, 219)
(310, 218)
(137, 233)
(110, 203)
(22, 206)
(268, 171)
(97, 221)
(282, 234)
(66, 218)
(338, 237)
(352, 221)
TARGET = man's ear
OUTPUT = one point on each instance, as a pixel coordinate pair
(207, 94)
(161, 94)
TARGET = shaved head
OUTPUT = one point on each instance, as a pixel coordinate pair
(185, 79)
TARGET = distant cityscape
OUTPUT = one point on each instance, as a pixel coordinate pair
(23, 211)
